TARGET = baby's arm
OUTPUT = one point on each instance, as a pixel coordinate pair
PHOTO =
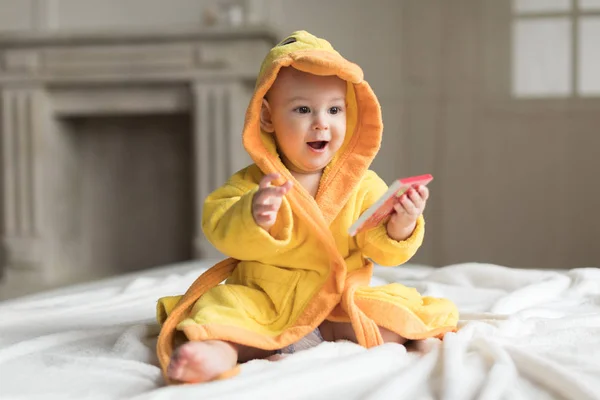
(228, 221)
(376, 243)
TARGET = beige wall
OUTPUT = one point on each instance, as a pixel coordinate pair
(516, 181)
(101, 14)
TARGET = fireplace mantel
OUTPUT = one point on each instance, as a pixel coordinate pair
(132, 56)
(155, 35)
(50, 77)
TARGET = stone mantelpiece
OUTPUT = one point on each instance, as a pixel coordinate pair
(46, 79)
(132, 56)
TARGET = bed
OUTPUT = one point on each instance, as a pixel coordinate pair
(523, 334)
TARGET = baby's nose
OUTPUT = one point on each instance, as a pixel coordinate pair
(320, 123)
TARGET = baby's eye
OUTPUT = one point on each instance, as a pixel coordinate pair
(302, 110)
(334, 110)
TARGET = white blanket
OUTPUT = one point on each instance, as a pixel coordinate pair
(524, 334)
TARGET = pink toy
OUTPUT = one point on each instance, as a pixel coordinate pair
(384, 207)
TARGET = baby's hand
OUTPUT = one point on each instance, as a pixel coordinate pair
(406, 211)
(267, 201)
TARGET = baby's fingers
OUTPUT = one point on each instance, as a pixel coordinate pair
(265, 182)
(269, 195)
(286, 186)
(408, 206)
(398, 208)
(416, 198)
(423, 192)
(264, 209)
(265, 220)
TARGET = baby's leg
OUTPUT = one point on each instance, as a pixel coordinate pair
(203, 361)
(334, 331)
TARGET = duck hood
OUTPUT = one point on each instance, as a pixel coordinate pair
(310, 54)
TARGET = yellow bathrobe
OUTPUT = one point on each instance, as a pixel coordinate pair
(281, 285)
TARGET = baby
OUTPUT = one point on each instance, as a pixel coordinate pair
(313, 127)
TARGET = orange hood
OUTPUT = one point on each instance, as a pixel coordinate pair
(310, 54)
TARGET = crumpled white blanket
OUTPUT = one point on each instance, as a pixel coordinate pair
(524, 334)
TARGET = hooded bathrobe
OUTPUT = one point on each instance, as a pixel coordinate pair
(280, 286)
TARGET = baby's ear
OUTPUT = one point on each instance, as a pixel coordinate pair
(266, 122)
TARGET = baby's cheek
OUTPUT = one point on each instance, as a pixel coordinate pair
(298, 125)
(338, 142)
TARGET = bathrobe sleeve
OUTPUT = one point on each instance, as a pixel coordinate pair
(375, 243)
(228, 224)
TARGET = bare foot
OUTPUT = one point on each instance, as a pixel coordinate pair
(196, 362)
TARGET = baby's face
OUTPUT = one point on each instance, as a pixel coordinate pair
(307, 114)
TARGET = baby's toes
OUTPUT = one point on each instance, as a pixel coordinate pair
(177, 366)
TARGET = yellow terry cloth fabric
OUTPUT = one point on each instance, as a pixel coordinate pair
(280, 286)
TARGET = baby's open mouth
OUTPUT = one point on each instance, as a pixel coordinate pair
(318, 145)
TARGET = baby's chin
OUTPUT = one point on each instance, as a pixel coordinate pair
(308, 168)
(309, 164)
